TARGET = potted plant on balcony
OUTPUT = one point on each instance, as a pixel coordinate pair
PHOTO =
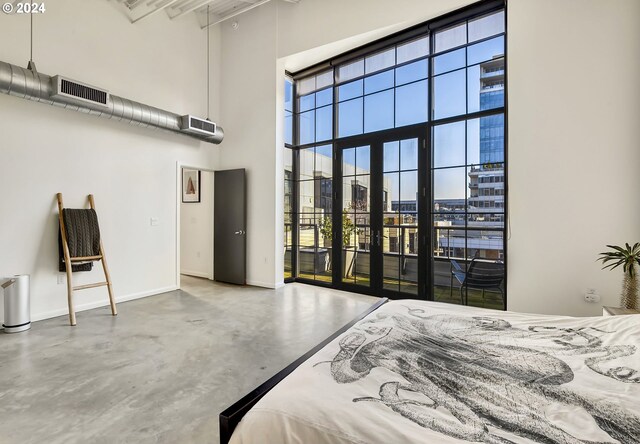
(628, 257)
(348, 250)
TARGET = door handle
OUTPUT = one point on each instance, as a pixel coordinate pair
(240, 232)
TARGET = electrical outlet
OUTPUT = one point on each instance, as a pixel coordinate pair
(154, 221)
(591, 295)
(60, 278)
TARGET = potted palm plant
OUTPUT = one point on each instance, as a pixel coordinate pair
(348, 250)
(628, 257)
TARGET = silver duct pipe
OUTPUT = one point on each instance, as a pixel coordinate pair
(30, 85)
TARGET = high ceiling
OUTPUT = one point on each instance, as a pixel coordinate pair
(219, 10)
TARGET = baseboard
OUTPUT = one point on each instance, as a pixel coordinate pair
(102, 303)
(261, 284)
(279, 285)
(195, 274)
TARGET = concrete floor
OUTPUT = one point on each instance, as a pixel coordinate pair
(162, 370)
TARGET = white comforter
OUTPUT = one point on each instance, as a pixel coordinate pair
(421, 372)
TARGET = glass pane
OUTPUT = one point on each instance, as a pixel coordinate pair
(391, 258)
(363, 259)
(288, 270)
(486, 189)
(449, 145)
(348, 250)
(452, 37)
(350, 118)
(391, 156)
(412, 72)
(323, 187)
(325, 79)
(378, 111)
(307, 127)
(306, 191)
(288, 127)
(349, 162)
(486, 50)
(306, 163)
(446, 246)
(324, 164)
(351, 71)
(450, 94)
(381, 60)
(413, 50)
(486, 26)
(308, 232)
(324, 97)
(449, 188)
(288, 164)
(378, 82)
(363, 160)
(350, 90)
(409, 154)
(305, 86)
(324, 123)
(485, 85)
(449, 61)
(485, 244)
(288, 197)
(411, 103)
(409, 186)
(360, 196)
(305, 103)
(288, 95)
(391, 186)
(486, 220)
(485, 140)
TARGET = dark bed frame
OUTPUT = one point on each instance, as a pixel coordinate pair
(230, 418)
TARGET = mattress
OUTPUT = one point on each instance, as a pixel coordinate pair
(425, 372)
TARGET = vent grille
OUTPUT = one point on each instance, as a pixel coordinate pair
(83, 92)
(77, 92)
(192, 124)
(203, 125)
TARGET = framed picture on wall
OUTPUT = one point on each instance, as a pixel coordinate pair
(190, 185)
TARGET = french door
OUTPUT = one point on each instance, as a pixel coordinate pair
(380, 193)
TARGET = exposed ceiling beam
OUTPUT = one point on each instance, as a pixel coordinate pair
(237, 12)
(191, 8)
(153, 11)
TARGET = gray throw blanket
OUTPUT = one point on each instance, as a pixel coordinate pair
(83, 237)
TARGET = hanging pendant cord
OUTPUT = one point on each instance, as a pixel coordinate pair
(208, 79)
(31, 54)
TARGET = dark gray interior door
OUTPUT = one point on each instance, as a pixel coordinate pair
(229, 227)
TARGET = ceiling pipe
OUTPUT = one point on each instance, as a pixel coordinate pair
(20, 82)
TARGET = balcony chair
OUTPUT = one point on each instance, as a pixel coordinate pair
(480, 275)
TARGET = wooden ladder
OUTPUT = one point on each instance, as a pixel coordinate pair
(68, 261)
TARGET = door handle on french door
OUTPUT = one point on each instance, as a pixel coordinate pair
(240, 232)
(377, 239)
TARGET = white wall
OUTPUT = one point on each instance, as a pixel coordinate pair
(196, 231)
(573, 113)
(131, 171)
(574, 152)
(250, 113)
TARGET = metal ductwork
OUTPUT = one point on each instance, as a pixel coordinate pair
(31, 85)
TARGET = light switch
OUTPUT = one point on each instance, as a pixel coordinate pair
(154, 221)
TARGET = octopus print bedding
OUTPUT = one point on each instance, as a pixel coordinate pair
(424, 372)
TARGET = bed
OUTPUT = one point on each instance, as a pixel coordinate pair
(422, 372)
